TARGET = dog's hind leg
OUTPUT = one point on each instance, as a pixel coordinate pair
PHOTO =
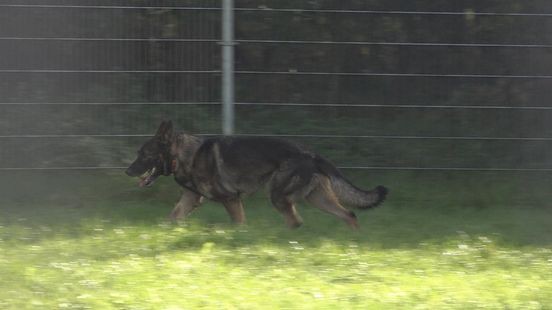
(234, 207)
(188, 202)
(283, 188)
(323, 197)
(287, 208)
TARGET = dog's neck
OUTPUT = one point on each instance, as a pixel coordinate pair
(183, 149)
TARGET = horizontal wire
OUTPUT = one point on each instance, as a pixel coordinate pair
(400, 137)
(117, 7)
(36, 136)
(110, 39)
(466, 169)
(409, 106)
(110, 103)
(285, 104)
(284, 10)
(74, 136)
(89, 136)
(383, 137)
(436, 44)
(108, 71)
(247, 41)
(374, 74)
(393, 12)
(449, 169)
(61, 168)
(427, 75)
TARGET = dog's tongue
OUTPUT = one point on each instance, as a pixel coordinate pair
(143, 182)
(147, 178)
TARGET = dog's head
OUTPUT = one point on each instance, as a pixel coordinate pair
(154, 157)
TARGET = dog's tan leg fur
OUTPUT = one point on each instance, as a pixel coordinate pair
(324, 198)
(188, 202)
(292, 217)
(287, 209)
(234, 207)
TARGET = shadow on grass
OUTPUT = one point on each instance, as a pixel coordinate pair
(423, 208)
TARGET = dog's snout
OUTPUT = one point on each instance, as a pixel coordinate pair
(130, 172)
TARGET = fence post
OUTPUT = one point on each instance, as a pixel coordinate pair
(228, 67)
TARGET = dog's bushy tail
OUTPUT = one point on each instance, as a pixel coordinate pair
(348, 193)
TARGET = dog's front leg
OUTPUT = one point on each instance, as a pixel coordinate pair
(234, 207)
(187, 203)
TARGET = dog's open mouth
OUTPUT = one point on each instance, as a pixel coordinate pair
(148, 178)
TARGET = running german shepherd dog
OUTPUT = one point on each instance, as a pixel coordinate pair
(223, 169)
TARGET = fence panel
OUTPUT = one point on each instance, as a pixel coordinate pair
(370, 85)
(393, 85)
(83, 83)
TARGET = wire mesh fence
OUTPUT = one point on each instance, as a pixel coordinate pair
(378, 85)
(83, 84)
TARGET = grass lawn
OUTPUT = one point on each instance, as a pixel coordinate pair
(442, 241)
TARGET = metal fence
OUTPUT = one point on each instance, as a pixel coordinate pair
(83, 83)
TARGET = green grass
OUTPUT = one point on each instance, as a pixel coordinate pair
(458, 241)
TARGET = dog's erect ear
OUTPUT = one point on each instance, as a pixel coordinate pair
(165, 131)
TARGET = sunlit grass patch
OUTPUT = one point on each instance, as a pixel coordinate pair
(163, 266)
(116, 251)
